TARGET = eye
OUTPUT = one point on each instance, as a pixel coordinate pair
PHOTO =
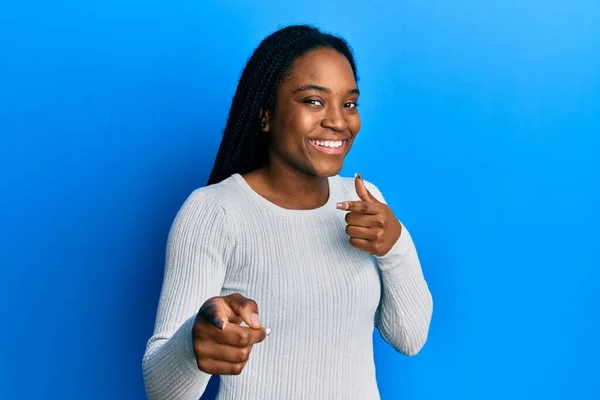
(351, 104)
(313, 102)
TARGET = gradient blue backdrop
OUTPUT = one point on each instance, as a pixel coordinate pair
(481, 125)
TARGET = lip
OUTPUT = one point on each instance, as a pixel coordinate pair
(331, 150)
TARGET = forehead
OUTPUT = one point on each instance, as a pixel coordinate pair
(325, 67)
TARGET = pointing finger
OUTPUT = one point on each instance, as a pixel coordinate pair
(241, 336)
(246, 309)
(362, 207)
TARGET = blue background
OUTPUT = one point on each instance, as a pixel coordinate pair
(481, 125)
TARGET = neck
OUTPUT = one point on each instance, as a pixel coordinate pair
(293, 189)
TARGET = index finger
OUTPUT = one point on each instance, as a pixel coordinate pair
(245, 308)
(362, 207)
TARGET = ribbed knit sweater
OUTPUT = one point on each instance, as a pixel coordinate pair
(321, 297)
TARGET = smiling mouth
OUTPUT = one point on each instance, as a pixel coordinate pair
(330, 146)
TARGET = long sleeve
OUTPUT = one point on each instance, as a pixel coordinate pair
(195, 267)
(406, 305)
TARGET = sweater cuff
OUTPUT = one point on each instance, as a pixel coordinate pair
(400, 257)
(172, 368)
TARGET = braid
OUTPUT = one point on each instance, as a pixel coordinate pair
(244, 146)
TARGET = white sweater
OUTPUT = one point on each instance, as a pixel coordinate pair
(320, 297)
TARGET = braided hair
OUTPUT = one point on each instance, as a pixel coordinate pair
(244, 146)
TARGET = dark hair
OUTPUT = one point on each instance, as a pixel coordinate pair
(244, 146)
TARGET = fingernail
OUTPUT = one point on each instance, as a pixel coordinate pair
(268, 331)
(255, 320)
(341, 206)
(220, 323)
(357, 175)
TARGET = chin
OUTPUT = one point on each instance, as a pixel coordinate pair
(328, 169)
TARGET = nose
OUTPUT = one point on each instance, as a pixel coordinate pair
(335, 119)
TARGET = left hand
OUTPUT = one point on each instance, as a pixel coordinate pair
(372, 226)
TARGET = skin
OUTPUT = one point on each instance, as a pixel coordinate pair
(318, 101)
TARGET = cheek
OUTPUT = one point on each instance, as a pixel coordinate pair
(354, 124)
(296, 126)
(304, 121)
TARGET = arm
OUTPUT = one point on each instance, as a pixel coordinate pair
(196, 260)
(406, 305)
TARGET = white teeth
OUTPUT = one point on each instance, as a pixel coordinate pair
(328, 143)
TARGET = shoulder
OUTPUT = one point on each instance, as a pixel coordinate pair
(348, 188)
(210, 202)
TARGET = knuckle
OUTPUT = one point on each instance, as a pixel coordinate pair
(204, 308)
(238, 296)
(209, 308)
(207, 303)
(233, 297)
(243, 339)
(197, 350)
(236, 369)
(210, 303)
(202, 365)
(243, 354)
(251, 304)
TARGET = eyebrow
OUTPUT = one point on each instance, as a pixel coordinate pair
(321, 89)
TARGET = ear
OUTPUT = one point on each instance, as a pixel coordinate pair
(265, 118)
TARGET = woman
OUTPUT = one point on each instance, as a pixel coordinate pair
(279, 245)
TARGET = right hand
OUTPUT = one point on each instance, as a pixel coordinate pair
(221, 345)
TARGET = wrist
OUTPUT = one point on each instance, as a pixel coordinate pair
(400, 252)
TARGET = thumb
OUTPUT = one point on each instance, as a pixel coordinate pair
(361, 189)
(244, 308)
(216, 311)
